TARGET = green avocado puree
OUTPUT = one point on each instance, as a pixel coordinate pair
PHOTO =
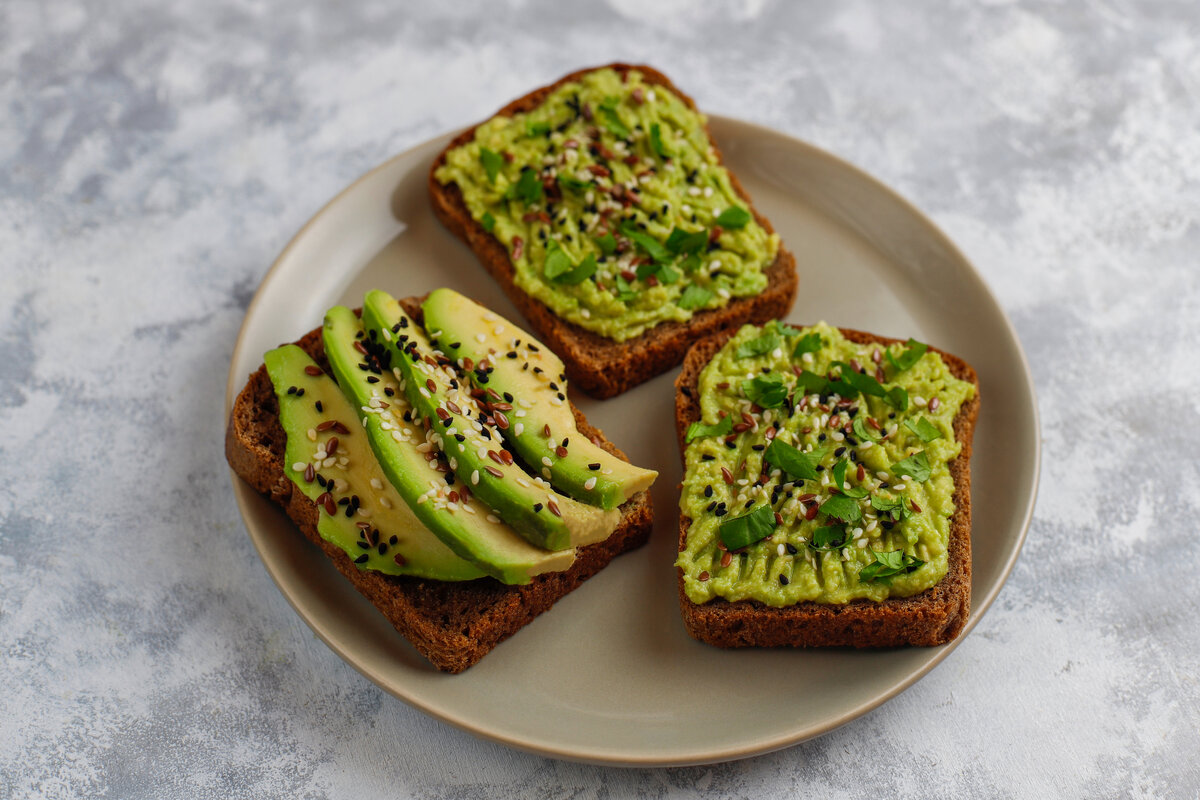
(820, 528)
(612, 205)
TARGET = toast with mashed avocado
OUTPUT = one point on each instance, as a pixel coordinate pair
(393, 451)
(826, 498)
(601, 205)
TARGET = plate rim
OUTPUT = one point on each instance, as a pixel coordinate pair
(244, 494)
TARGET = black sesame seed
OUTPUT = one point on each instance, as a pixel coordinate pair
(783, 581)
(537, 507)
(393, 540)
(791, 548)
(320, 408)
(382, 549)
(363, 544)
(837, 453)
(372, 379)
(361, 559)
(707, 457)
(758, 447)
(708, 491)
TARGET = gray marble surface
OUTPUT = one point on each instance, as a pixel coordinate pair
(154, 158)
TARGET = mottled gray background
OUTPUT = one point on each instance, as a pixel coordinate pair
(155, 158)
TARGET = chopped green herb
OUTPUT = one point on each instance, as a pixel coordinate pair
(489, 222)
(625, 292)
(925, 430)
(656, 141)
(646, 269)
(792, 461)
(651, 246)
(861, 383)
(915, 466)
(863, 432)
(536, 128)
(809, 343)
(573, 183)
(528, 188)
(759, 345)
(690, 262)
(811, 383)
(839, 477)
(896, 507)
(844, 508)
(581, 272)
(668, 274)
(611, 120)
(694, 297)
(909, 357)
(607, 244)
(828, 537)
(769, 391)
(680, 241)
(699, 429)
(558, 263)
(734, 217)
(492, 163)
(897, 398)
(888, 565)
(749, 528)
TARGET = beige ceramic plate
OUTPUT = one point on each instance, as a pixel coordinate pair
(609, 674)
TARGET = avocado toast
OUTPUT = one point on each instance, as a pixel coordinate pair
(826, 499)
(391, 494)
(601, 205)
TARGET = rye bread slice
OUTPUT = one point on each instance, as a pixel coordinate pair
(932, 617)
(602, 367)
(453, 624)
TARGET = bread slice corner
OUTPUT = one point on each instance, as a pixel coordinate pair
(600, 366)
(452, 624)
(933, 617)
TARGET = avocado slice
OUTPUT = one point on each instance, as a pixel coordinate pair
(370, 521)
(472, 444)
(529, 391)
(410, 462)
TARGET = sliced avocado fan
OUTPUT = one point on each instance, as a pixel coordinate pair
(470, 439)
(408, 455)
(525, 391)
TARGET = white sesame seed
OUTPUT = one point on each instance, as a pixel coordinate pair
(479, 337)
(807, 358)
(590, 483)
(777, 353)
(397, 436)
(866, 444)
(422, 499)
(781, 549)
(583, 312)
(708, 191)
(546, 460)
(837, 436)
(299, 466)
(524, 484)
(312, 433)
(376, 483)
(918, 401)
(881, 475)
(383, 501)
(518, 429)
(467, 507)
(546, 472)
(899, 487)
(724, 293)
(453, 463)
(492, 518)
(554, 401)
(694, 191)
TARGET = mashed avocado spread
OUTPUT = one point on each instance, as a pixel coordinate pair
(612, 205)
(819, 469)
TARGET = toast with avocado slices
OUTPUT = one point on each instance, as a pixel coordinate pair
(453, 484)
(601, 206)
(826, 498)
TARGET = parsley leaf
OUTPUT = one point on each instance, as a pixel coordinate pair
(844, 508)
(839, 473)
(528, 188)
(694, 297)
(863, 432)
(680, 241)
(656, 141)
(734, 217)
(925, 430)
(488, 221)
(909, 357)
(861, 383)
(828, 537)
(769, 391)
(581, 272)
(896, 507)
(889, 564)
(607, 244)
(557, 263)
(812, 383)
(809, 343)
(792, 461)
(698, 429)
(749, 528)
(492, 163)
(915, 466)
(759, 345)
(897, 398)
(651, 246)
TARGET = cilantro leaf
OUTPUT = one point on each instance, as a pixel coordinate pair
(861, 383)
(769, 391)
(607, 244)
(809, 343)
(915, 466)
(625, 292)
(528, 188)
(581, 272)
(864, 432)
(690, 262)
(698, 429)
(749, 528)
(909, 357)
(844, 508)
(680, 241)
(828, 537)
(792, 461)
(839, 473)
(557, 263)
(492, 163)
(897, 398)
(925, 430)
(889, 564)
(656, 141)
(734, 217)
(668, 274)
(694, 297)
(646, 269)
(812, 383)
(759, 345)
(488, 221)
(651, 246)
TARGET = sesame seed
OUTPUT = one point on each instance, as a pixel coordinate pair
(590, 483)
(547, 462)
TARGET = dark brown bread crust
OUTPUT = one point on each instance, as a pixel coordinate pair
(600, 366)
(452, 624)
(932, 617)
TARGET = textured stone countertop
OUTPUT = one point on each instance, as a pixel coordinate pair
(155, 158)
